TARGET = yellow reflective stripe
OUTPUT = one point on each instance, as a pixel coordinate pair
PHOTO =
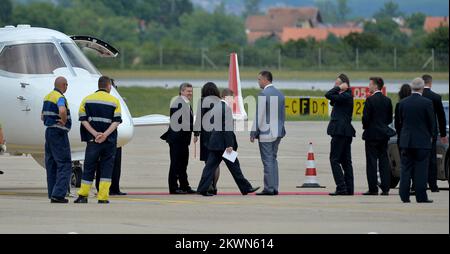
(99, 119)
(59, 127)
(107, 103)
(49, 113)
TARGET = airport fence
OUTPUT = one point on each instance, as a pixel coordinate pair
(331, 59)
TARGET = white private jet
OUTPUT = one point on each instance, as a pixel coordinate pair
(30, 60)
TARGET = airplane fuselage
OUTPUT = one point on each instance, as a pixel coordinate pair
(25, 82)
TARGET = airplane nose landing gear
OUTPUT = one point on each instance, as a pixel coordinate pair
(77, 172)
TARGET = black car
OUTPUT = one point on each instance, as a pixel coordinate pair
(442, 157)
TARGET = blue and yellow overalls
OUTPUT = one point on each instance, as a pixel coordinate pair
(58, 158)
(101, 110)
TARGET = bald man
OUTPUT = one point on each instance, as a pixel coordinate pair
(58, 161)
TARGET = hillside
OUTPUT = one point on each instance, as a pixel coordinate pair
(368, 7)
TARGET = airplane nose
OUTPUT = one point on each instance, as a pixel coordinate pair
(126, 129)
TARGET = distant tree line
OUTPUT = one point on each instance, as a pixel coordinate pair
(173, 33)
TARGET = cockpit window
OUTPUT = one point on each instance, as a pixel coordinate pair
(77, 58)
(35, 58)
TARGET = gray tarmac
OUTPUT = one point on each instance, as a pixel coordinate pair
(24, 207)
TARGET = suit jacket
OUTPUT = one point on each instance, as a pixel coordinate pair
(222, 135)
(441, 127)
(204, 112)
(181, 116)
(417, 122)
(341, 116)
(377, 117)
(397, 124)
(270, 121)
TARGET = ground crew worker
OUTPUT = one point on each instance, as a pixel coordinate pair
(58, 161)
(100, 115)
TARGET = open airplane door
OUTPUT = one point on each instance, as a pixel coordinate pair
(104, 49)
(100, 47)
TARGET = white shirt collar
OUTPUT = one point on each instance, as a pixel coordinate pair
(226, 103)
(378, 91)
(185, 99)
(269, 85)
(428, 87)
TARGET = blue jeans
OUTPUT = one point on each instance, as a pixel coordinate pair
(58, 162)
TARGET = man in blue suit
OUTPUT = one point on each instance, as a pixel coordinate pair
(269, 129)
(417, 124)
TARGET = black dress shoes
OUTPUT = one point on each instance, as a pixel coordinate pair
(435, 190)
(337, 193)
(59, 201)
(190, 191)
(252, 190)
(81, 200)
(426, 202)
(266, 193)
(370, 193)
(103, 201)
(385, 193)
(118, 193)
(178, 192)
(206, 194)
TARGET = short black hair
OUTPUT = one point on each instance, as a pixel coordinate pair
(378, 81)
(405, 91)
(103, 82)
(427, 78)
(267, 75)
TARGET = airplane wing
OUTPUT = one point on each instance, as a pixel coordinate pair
(151, 120)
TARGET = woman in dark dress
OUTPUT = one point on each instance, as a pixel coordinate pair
(210, 96)
(405, 91)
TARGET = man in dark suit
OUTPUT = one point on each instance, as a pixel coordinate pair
(417, 122)
(178, 136)
(440, 130)
(342, 133)
(223, 140)
(376, 119)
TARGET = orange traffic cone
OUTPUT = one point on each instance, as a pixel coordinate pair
(311, 171)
